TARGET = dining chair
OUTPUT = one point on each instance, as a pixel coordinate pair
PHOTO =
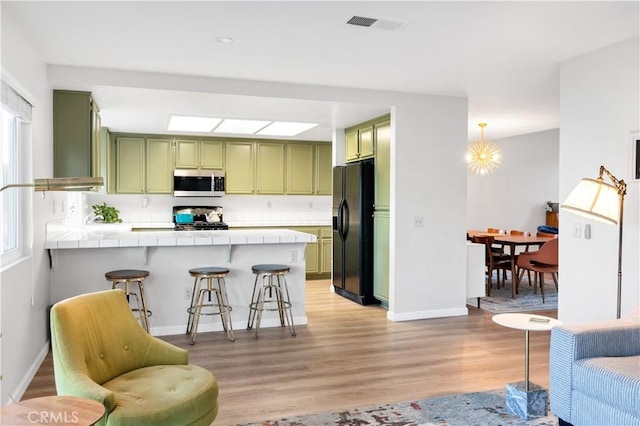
(546, 234)
(526, 250)
(493, 260)
(495, 247)
(540, 262)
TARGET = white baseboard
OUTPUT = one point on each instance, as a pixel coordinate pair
(437, 313)
(31, 373)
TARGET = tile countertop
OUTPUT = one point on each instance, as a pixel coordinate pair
(81, 238)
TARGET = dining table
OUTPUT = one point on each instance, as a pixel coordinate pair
(512, 241)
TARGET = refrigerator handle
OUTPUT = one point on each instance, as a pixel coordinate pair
(339, 225)
(345, 219)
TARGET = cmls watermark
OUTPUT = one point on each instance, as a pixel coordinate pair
(53, 417)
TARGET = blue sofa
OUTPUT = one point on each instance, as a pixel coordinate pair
(594, 372)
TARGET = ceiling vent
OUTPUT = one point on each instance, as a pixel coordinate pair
(361, 21)
(382, 24)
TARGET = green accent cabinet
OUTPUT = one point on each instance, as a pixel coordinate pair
(365, 142)
(323, 170)
(299, 169)
(318, 255)
(312, 257)
(130, 171)
(159, 176)
(76, 134)
(269, 168)
(239, 168)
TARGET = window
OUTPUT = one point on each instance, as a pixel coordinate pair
(14, 132)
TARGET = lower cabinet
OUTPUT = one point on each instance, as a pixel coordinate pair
(381, 221)
(318, 254)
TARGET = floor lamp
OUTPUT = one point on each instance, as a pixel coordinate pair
(59, 184)
(604, 202)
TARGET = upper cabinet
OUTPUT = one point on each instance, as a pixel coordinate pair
(76, 135)
(299, 169)
(199, 154)
(240, 168)
(382, 132)
(269, 168)
(323, 169)
(359, 143)
(143, 165)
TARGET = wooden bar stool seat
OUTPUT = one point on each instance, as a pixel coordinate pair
(129, 277)
(276, 300)
(201, 297)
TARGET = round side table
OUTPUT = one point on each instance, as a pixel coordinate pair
(53, 410)
(526, 399)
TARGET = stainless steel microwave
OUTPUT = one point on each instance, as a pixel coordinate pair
(198, 183)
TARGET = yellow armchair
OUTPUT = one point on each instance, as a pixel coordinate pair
(100, 352)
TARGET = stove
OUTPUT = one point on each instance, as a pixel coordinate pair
(198, 218)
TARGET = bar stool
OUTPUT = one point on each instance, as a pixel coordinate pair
(219, 307)
(129, 277)
(260, 302)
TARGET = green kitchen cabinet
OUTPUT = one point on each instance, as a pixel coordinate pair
(312, 258)
(359, 143)
(199, 154)
(76, 135)
(239, 167)
(187, 154)
(270, 168)
(326, 250)
(299, 169)
(143, 165)
(130, 165)
(159, 176)
(211, 154)
(381, 223)
(323, 169)
(352, 150)
(382, 132)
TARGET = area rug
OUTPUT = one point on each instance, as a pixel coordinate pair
(501, 301)
(478, 408)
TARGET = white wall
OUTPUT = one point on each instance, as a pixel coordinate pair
(514, 195)
(599, 108)
(24, 292)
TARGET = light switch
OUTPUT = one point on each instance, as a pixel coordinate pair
(577, 230)
(587, 231)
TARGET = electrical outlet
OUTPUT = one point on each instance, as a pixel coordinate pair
(294, 257)
(418, 222)
(188, 291)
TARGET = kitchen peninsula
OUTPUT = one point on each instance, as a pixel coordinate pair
(80, 258)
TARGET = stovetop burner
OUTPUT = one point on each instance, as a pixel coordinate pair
(198, 218)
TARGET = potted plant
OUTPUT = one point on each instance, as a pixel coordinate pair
(109, 214)
(552, 206)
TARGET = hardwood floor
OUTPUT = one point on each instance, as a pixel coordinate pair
(351, 355)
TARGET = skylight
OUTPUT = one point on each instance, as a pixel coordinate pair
(245, 127)
(181, 123)
(286, 128)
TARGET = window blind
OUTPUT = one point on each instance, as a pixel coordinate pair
(15, 102)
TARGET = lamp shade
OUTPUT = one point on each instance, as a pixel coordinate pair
(595, 199)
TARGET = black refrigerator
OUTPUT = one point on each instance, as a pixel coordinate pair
(353, 198)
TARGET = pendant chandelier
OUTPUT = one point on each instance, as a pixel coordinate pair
(483, 156)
